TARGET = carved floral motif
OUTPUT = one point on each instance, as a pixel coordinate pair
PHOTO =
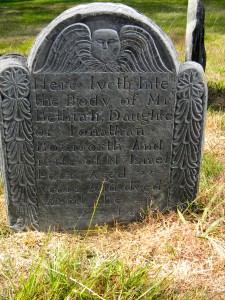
(187, 137)
(15, 89)
(14, 82)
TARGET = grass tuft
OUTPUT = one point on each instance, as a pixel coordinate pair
(62, 274)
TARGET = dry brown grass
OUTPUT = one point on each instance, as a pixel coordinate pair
(215, 134)
(180, 248)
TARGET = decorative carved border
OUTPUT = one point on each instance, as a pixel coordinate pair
(188, 135)
(18, 146)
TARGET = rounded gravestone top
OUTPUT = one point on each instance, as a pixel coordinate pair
(99, 16)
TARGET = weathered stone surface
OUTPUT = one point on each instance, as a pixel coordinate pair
(104, 105)
(195, 32)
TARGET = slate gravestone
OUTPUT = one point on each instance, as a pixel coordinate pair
(195, 33)
(102, 103)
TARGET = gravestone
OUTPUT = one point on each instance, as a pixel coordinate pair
(101, 123)
(195, 33)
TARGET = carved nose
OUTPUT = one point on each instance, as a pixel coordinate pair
(105, 45)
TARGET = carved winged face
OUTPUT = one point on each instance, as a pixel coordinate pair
(105, 45)
(76, 49)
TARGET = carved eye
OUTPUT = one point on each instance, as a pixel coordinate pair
(111, 41)
(100, 41)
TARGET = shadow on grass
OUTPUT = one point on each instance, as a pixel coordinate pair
(216, 96)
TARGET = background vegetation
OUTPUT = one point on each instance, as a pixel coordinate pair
(175, 256)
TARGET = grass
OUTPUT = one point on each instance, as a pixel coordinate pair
(21, 21)
(174, 256)
(65, 274)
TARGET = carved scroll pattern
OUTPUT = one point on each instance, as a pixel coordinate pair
(186, 149)
(18, 138)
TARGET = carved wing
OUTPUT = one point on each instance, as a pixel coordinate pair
(71, 50)
(139, 52)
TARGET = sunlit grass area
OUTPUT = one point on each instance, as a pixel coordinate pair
(179, 255)
(21, 21)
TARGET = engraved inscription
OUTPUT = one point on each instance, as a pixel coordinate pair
(105, 106)
(102, 127)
